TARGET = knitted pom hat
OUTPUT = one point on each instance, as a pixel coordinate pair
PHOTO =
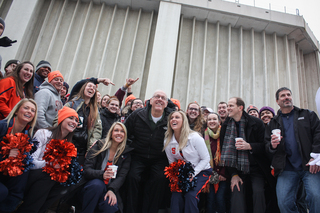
(43, 63)
(251, 107)
(267, 108)
(66, 112)
(53, 75)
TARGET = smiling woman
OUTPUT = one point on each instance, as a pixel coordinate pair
(40, 183)
(181, 143)
(16, 86)
(89, 128)
(101, 192)
(109, 115)
(21, 119)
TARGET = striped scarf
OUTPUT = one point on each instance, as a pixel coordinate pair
(230, 156)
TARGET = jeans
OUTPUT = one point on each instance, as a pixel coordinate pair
(93, 198)
(216, 202)
(287, 187)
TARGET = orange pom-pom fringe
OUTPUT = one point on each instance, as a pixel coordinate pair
(59, 152)
(14, 166)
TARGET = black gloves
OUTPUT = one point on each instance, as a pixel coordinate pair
(6, 42)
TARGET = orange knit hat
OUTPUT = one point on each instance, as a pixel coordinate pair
(176, 102)
(66, 112)
(53, 75)
(129, 98)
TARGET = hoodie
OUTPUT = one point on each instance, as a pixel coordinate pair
(49, 103)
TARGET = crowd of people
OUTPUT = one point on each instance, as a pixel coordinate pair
(233, 160)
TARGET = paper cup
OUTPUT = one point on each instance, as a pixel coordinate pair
(237, 140)
(114, 170)
(277, 132)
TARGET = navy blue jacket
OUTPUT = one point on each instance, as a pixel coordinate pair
(38, 80)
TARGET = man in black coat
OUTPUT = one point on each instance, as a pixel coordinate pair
(146, 182)
(299, 136)
(246, 159)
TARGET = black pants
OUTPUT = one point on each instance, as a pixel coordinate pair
(238, 198)
(13, 188)
(38, 188)
(146, 183)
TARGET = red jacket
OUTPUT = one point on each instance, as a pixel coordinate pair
(8, 96)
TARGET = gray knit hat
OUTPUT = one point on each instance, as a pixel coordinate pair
(43, 63)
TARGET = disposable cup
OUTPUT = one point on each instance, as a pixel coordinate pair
(238, 140)
(277, 132)
(114, 170)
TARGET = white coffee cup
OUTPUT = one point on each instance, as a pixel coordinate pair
(238, 140)
(114, 170)
(277, 132)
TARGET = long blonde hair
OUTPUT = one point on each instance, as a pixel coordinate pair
(107, 142)
(16, 109)
(185, 131)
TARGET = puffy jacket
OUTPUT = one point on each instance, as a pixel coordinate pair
(307, 133)
(49, 103)
(146, 142)
(8, 96)
(93, 170)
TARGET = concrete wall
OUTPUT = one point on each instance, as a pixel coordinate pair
(204, 59)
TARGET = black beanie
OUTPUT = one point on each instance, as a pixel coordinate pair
(66, 85)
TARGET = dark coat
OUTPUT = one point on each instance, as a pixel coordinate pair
(107, 119)
(147, 143)
(307, 133)
(92, 169)
(254, 132)
(38, 80)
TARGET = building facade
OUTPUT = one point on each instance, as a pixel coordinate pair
(195, 50)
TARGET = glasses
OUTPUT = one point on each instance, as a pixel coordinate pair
(138, 103)
(160, 97)
(193, 109)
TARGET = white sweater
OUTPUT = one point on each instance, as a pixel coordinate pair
(42, 136)
(195, 152)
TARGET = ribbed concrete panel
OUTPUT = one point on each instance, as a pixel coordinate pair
(223, 62)
(83, 39)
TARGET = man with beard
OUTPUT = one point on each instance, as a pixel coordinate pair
(222, 111)
(299, 136)
(43, 68)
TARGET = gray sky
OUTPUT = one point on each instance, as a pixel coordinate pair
(309, 9)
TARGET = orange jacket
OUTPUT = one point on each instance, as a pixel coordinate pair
(8, 96)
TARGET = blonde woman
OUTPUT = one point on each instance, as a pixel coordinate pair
(21, 119)
(183, 143)
(102, 191)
